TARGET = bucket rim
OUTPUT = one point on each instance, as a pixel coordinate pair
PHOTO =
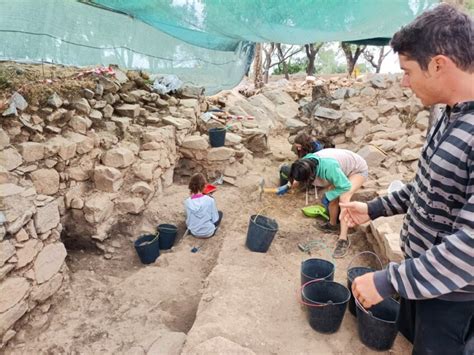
(370, 269)
(216, 129)
(320, 304)
(327, 261)
(370, 314)
(253, 219)
(140, 240)
(167, 226)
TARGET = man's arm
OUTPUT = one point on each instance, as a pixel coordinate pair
(394, 203)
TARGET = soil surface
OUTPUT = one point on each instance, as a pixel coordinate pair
(222, 290)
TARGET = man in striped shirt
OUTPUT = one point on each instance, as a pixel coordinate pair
(436, 280)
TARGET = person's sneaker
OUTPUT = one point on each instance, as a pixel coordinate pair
(327, 227)
(342, 246)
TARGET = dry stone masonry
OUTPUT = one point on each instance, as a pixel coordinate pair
(73, 165)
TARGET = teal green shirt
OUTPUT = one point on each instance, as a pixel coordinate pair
(330, 170)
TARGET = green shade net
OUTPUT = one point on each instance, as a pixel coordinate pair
(207, 43)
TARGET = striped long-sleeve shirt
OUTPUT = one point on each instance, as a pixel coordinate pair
(437, 236)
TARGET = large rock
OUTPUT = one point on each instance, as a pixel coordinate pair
(27, 253)
(372, 155)
(55, 101)
(144, 170)
(169, 343)
(80, 124)
(410, 154)
(220, 153)
(422, 120)
(7, 250)
(328, 113)
(195, 142)
(42, 292)
(83, 143)
(65, 148)
(47, 217)
(31, 151)
(82, 105)
(107, 179)
(46, 181)
(49, 261)
(386, 231)
(118, 158)
(10, 159)
(12, 291)
(128, 110)
(8, 319)
(179, 123)
(98, 208)
(4, 139)
(294, 126)
(232, 139)
(132, 205)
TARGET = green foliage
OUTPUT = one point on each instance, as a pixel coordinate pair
(326, 62)
(294, 66)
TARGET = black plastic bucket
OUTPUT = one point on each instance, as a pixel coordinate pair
(260, 233)
(217, 137)
(377, 326)
(148, 248)
(316, 269)
(356, 271)
(168, 234)
(326, 302)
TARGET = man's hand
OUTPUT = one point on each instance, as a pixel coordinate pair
(363, 288)
(354, 213)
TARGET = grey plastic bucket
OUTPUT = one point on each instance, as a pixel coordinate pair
(260, 233)
(326, 303)
(377, 326)
(316, 269)
(356, 271)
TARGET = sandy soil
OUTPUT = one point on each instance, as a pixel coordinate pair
(221, 291)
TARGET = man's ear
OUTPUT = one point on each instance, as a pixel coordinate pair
(440, 63)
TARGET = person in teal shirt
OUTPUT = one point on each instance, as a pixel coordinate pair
(344, 172)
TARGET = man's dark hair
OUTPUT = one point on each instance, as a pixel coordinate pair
(197, 183)
(306, 143)
(303, 170)
(443, 30)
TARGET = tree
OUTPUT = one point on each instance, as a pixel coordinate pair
(370, 57)
(352, 53)
(311, 50)
(285, 53)
(257, 66)
(326, 62)
(268, 49)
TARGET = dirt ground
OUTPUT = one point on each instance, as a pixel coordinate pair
(223, 290)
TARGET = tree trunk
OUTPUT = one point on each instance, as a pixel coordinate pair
(281, 56)
(268, 61)
(311, 51)
(257, 68)
(351, 58)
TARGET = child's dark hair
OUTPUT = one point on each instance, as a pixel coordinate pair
(306, 143)
(197, 183)
(303, 170)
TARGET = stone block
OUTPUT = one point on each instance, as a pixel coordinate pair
(107, 179)
(118, 158)
(47, 217)
(98, 208)
(27, 253)
(10, 159)
(372, 155)
(49, 262)
(132, 205)
(46, 181)
(128, 110)
(42, 292)
(220, 153)
(195, 142)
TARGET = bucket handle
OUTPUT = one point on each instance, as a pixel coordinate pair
(361, 306)
(167, 229)
(365, 252)
(300, 296)
(259, 213)
(151, 241)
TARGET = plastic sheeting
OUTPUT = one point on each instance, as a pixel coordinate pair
(68, 32)
(222, 24)
(204, 42)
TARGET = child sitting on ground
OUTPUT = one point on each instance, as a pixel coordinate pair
(202, 216)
